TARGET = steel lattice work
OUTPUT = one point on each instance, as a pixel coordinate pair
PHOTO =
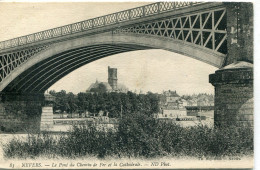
(122, 16)
(207, 29)
(10, 61)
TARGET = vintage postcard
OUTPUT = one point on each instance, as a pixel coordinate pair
(126, 85)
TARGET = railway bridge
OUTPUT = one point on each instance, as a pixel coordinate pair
(217, 33)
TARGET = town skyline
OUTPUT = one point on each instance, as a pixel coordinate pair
(144, 71)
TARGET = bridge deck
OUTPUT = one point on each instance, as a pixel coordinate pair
(118, 18)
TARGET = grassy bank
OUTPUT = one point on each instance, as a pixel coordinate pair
(137, 136)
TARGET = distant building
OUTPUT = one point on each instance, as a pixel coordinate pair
(174, 113)
(191, 102)
(99, 87)
(206, 111)
(170, 100)
(171, 96)
(205, 102)
(184, 102)
(171, 105)
(111, 86)
(112, 78)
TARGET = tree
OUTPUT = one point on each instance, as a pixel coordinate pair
(61, 101)
(114, 103)
(71, 103)
(100, 89)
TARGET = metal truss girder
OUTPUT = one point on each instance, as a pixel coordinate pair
(200, 28)
(10, 61)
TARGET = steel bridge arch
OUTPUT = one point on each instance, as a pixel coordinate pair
(96, 46)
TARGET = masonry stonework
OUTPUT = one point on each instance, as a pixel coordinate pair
(46, 118)
(112, 78)
(233, 83)
(27, 112)
(240, 32)
(234, 102)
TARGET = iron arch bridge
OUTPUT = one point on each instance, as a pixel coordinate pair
(32, 63)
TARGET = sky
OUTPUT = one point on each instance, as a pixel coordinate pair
(146, 70)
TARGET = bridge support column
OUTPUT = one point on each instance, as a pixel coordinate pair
(20, 112)
(26, 112)
(234, 101)
(47, 113)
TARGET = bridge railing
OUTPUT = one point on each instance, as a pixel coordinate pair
(114, 18)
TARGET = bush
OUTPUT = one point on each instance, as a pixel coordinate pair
(138, 135)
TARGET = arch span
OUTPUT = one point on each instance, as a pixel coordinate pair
(47, 67)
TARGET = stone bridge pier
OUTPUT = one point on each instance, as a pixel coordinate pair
(234, 102)
(26, 112)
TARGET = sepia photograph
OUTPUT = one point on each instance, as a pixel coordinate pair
(127, 85)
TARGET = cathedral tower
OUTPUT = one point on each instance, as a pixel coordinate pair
(112, 78)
